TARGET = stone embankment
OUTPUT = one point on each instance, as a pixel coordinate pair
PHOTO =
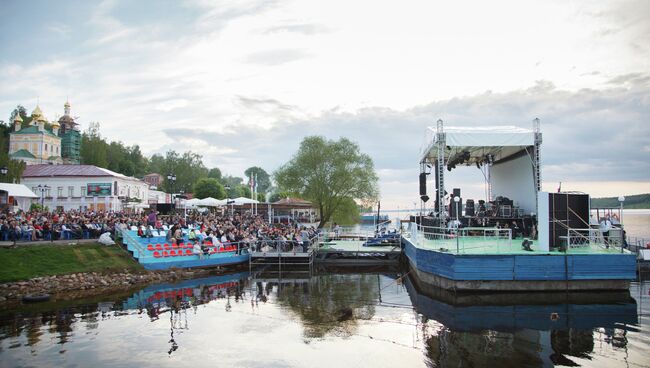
(92, 283)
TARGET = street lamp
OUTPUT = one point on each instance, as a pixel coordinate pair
(457, 200)
(42, 188)
(621, 199)
(3, 172)
(171, 179)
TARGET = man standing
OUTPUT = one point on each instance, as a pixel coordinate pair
(605, 226)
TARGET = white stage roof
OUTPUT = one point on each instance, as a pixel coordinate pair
(478, 142)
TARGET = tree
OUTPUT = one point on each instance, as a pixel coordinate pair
(215, 173)
(276, 196)
(347, 213)
(94, 149)
(263, 178)
(328, 173)
(188, 169)
(209, 187)
(20, 109)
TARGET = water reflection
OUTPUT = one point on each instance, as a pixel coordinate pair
(515, 330)
(367, 319)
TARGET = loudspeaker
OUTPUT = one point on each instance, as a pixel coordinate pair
(469, 207)
(423, 184)
(456, 192)
(165, 208)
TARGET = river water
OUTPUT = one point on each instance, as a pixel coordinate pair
(332, 318)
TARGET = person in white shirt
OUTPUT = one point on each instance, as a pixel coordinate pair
(196, 250)
(605, 226)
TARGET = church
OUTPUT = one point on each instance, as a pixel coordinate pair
(43, 142)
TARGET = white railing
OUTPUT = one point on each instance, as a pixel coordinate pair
(463, 240)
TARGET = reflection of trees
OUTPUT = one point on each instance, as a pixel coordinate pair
(571, 342)
(481, 349)
(531, 348)
(331, 303)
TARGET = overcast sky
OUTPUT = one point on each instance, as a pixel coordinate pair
(242, 82)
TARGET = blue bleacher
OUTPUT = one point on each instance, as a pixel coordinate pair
(145, 251)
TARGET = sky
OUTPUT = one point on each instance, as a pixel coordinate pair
(242, 82)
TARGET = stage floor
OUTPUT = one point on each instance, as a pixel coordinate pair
(355, 246)
(480, 245)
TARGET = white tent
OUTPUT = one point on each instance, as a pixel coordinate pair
(243, 200)
(211, 202)
(21, 193)
(192, 202)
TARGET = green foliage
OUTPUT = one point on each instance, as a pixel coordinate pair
(20, 109)
(638, 201)
(232, 181)
(187, 167)
(261, 197)
(215, 173)
(15, 168)
(115, 156)
(42, 260)
(281, 195)
(263, 178)
(246, 191)
(335, 305)
(347, 213)
(94, 149)
(209, 187)
(328, 173)
(35, 207)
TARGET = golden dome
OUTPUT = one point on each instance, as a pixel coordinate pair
(37, 112)
(67, 104)
(55, 124)
(37, 115)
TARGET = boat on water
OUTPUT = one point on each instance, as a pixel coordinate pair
(517, 238)
(373, 219)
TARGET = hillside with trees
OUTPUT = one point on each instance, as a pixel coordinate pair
(638, 201)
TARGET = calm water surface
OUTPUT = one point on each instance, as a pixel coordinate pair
(374, 319)
(329, 320)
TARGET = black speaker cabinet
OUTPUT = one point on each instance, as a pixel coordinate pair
(566, 211)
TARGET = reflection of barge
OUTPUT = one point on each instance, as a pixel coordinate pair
(513, 311)
(525, 240)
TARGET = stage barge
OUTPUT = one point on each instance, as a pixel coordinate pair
(519, 238)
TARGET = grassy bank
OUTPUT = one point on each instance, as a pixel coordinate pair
(44, 260)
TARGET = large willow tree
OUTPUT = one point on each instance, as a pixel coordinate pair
(329, 173)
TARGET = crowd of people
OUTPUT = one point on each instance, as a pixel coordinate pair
(243, 229)
(216, 228)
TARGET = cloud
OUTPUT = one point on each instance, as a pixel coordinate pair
(632, 78)
(263, 103)
(588, 135)
(218, 14)
(170, 105)
(276, 56)
(302, 28)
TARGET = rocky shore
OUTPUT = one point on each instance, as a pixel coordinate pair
(90, 283)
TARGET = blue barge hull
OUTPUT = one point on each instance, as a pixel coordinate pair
(517, 272)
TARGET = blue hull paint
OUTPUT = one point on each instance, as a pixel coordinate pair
(542, 267)
(208, 262)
